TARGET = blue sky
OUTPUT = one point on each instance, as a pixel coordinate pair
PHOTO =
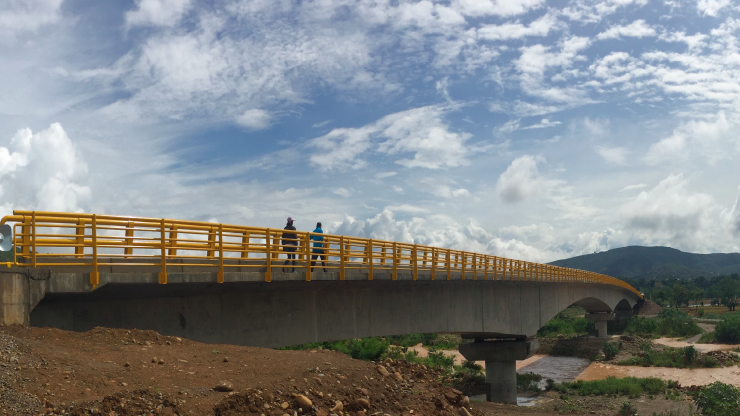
(525, 128)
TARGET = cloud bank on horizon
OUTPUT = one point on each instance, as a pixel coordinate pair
(532, 129)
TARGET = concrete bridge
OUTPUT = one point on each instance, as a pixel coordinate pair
(220, 283)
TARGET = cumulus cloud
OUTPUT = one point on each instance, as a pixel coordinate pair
(420, 132)
(516, 30)
(42, 171)
(479, 8)
(255, 119)
(711, 140)
(157, 12)
(671, 214)
(636, 29)
(520, 180)
(22, 16)
(711, 7)
(589, 11)
(635, 186)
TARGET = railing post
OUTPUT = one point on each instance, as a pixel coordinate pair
(370, 259)
(434, 263)
(462, 257)
(518, 270)
(416, 265)
(395, 261)
(94, 275)
(475, 266)
(163, 244)
(485, 272)
(80, 234)
(268, 258)
(245, 245)
(341, 257)
(173, 239)
(211, 243)
(128, 251)
(449, 264)
(220, 276)
(307, 250)
(26, 240)
(33, 239)
(424, 265)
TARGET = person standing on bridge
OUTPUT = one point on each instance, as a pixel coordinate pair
(290, 243)
(318, 247)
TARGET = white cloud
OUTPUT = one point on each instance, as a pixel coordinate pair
(509, 126)
(343, 192)
(383, 175)
(615, 155)
(420, 132)
(398, 189)
(711, 140)
(589, 11)
(695, 41)
(479, 8)
(539, 27)
(671, 214)
(42, 171)
(157, 12)
(545, 123)
(520, 180)
(21, 16)
(636, 29)
(255, 119)
(711, 7)
(632, 187)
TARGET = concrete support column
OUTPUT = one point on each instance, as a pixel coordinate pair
(500, 358)
(14, 303)
(599, 320)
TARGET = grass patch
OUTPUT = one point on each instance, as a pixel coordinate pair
(528, 382)
(629, 386)
(686, 357)
(368, 349)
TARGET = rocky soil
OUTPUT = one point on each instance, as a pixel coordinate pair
(130, 372)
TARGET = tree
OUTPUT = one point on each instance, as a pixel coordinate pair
(681, 295)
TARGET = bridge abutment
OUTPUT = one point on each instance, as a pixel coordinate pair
(599, 320)
(500, 358)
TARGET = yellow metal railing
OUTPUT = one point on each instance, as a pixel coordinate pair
(71, 239)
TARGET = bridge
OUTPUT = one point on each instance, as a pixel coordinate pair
(220, 283)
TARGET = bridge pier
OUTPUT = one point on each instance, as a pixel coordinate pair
(500, 358)
(599, 320)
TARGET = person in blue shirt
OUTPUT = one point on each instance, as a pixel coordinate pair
(318, 247)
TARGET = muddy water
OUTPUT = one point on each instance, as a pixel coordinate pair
(559, 369)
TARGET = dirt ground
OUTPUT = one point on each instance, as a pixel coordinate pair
(118, 372)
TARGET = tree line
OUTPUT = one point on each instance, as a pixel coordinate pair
(715, 290)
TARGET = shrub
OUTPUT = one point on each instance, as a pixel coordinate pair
(690, 354)
(627, 410)
(564, 325)
(528, 382)
(670, 322)
(472, 366)
(728, 330)
(610, 350)
(700, 313)
(719, 399)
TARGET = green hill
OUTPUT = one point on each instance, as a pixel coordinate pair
(654, 262)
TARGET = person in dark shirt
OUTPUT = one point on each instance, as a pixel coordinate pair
(290, 243)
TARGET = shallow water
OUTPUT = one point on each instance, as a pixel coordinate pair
(559, 369)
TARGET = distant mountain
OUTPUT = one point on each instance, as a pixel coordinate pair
(653, 262)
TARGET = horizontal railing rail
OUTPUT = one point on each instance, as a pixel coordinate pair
(91, 240)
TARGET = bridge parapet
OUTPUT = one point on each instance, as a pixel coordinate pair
(107, 242)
